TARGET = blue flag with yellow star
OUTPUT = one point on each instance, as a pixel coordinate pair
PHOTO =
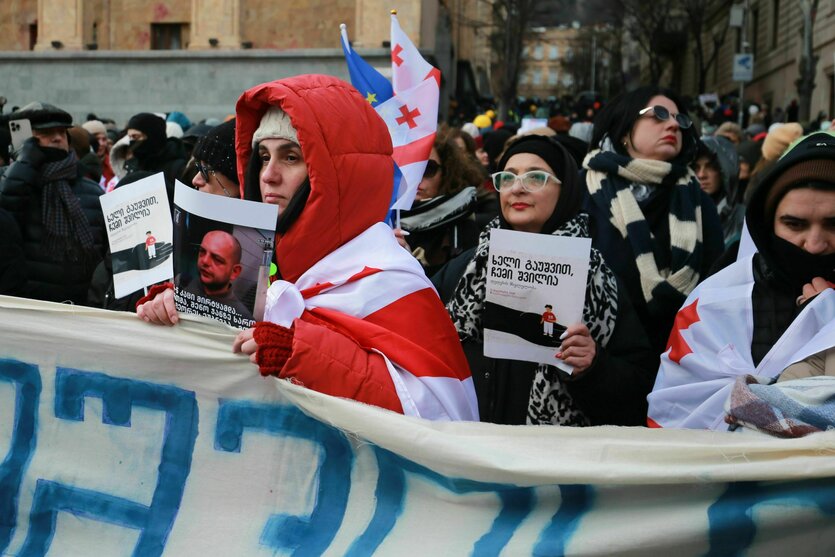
(369, 82)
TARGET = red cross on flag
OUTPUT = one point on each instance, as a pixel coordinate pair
(408, 68)
(412, 120)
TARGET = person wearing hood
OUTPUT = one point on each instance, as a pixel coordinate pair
(654, 226)
(540, 192)
(352, 314)
(768, 310)
(152, 151)
(56, 209)
(717, 169)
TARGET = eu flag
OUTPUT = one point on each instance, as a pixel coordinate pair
(369, 82)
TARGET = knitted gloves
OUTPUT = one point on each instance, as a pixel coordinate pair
(274, 347)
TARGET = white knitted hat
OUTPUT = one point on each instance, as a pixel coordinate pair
(94, 126)
(275, 124)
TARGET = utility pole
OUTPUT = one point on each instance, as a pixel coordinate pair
(739, 18)
(593, 59)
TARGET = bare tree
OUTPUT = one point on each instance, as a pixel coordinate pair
(808, 60)
(510, 19)
(699, 13)
(654, 27)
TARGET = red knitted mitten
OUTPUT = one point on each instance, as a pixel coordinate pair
(274, 347)
(152, 293)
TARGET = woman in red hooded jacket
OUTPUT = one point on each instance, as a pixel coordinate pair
(353, 314)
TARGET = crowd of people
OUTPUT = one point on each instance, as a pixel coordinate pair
(708, 300)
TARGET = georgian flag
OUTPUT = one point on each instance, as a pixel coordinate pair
(411, 115)
(710, 346)
(408, 67)
(412, 120)
(368, 283)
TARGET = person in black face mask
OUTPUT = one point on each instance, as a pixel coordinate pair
(153, 152)
(766, 311)
(56, 209)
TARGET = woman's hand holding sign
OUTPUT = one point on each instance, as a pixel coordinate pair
(578, 348)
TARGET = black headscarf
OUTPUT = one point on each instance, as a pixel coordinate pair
(565, 169)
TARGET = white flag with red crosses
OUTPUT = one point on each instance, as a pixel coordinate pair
(411, 114)
(710, 346)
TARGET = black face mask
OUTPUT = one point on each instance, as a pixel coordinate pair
(798, 267)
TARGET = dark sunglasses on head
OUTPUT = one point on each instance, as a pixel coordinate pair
(662, 114)
(432, 168)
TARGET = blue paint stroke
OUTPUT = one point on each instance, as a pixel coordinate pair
(310, 535)
(27, 382)
(517, 503)
(118, 397)
(731, 522)
(577, 500)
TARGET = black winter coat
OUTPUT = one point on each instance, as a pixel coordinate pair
(612, 391)
(12, 260)
(50, 279)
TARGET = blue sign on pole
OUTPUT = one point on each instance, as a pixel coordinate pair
(743, 67)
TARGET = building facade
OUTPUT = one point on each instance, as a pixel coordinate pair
(773, 33)
(81, 42)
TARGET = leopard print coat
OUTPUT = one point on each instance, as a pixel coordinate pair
(550, 401)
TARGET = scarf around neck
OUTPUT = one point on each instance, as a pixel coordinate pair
(68, 235)
(609, 178)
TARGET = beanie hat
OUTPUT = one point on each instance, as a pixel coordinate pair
(173, 129)
(471, 129)
(94, 127)
(811, 159)
(275, 124)
(540, 146)
(778, 140)
(179, 118)
(815, 170)
(150, 124)
(217, 149)
(482, 121)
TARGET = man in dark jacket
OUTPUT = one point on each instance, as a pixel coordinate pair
(56, 209)
(152, 151)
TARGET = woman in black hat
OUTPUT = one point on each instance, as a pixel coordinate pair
(539, 192)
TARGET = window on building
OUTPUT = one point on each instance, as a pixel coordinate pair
(569, 53)
(537, 78)
(33, 35)
(526, 52)
(775, 22)
(523, 78)
(555, 52)
(567, 81)
(166, 36)
(553, 76)
(537, 52)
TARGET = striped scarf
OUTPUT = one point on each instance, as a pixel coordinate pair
(609, 178)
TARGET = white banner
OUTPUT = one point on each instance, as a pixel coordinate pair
(120, 438)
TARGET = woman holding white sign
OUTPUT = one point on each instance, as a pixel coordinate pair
(352, 314)
(539, 192)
